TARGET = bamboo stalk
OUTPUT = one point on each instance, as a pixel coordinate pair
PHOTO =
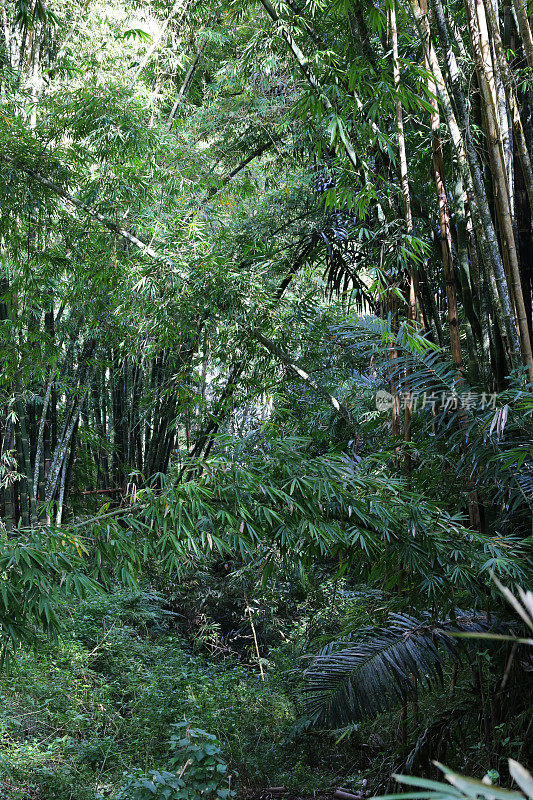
(509, 86)
(471, 174)
(408, 219)
(485, 69)
(180, 5)
(8, 490)
(186, 82)
(40, 436)
(59, 512)
(255, 637)
(61, 451)
(104, 221)
(445, 234)
(303, 63)
(27, 483)
(277, 351)
(23, 481)
(524, 30)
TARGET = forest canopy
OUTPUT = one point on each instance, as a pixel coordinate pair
(266, 398)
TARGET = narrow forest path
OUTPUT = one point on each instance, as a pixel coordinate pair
(280, 793)
(266, 795)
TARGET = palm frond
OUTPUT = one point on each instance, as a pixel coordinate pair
(349, 681)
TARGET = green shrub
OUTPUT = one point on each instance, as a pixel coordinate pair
(197, 769)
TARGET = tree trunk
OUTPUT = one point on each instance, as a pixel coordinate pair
(472, 175)
(485, 70)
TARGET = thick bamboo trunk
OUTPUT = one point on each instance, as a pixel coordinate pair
(524, 30)
(472, 175)
(446, 239)
(485, 70)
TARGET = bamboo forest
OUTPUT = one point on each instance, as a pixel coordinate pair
(266, 400)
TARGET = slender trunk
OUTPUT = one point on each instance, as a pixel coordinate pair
(451, 291)
(525, 245)
(216, 415)
(320, 390)
(186, 83)
(118, 425)
(359, 33)
(23, 481)
(303, 63)
(181, 5)
(59, 513)
(6, 32)
(408, 219)
(8, 490)
(79, 204)
(393, 356)
(40, 436)
(468, 271)
(445, 237)
(506, 125)
(258, 151)
(256, 644)
(105, 443)
(429, 303)
(66, 475)
(404, 172)
(25, 466)
(62, 448)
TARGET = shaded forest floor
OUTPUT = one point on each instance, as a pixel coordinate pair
(76, 715)
(266, 795)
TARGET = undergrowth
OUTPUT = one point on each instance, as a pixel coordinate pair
(79, 713)
(129, 704)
